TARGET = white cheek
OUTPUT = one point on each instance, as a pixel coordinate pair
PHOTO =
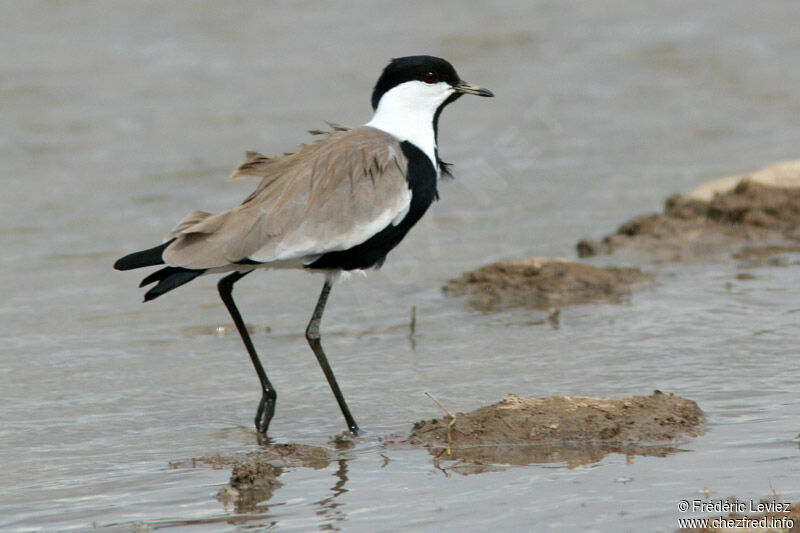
(438, 92)
(406, 111)
(418, 94)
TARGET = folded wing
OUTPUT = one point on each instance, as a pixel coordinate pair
(331, 195)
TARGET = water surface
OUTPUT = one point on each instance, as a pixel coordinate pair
(117, 119)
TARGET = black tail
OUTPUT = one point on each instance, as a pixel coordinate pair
(145, 258)
(168, 278)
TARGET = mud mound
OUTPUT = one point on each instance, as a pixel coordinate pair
(773, 520)
(749, 214)
(542, 284)
(572, 429)
(783, 175)
(254, 478)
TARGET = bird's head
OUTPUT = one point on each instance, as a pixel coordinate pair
(425, 83)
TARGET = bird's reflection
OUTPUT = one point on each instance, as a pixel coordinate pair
(330, 509)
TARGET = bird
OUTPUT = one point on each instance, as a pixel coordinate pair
(335, 205)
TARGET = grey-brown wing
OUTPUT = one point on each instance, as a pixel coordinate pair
(329, 196)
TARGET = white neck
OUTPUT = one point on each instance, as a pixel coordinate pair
(407, 111)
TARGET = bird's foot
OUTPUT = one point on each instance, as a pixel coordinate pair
(265, 411)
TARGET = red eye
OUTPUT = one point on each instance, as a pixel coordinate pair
(429, 77)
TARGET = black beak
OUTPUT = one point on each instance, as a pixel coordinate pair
(467, 88)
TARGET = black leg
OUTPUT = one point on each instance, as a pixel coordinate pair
(312, 334)
(266, 408)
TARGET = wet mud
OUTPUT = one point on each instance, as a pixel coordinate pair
(754, 219)
(254, 477)
(716, 223)
(784, 521)
(540, 283)
(559, 429)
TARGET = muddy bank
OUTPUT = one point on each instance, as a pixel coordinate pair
(783, 521)
(541, 283)
(254, 477)
(571, 429)
(715, 221)
(783, 175)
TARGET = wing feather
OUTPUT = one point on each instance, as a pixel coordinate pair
(329, 196)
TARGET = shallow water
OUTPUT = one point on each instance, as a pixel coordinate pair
(117, 119)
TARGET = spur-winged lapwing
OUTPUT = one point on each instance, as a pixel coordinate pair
(341, 203)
